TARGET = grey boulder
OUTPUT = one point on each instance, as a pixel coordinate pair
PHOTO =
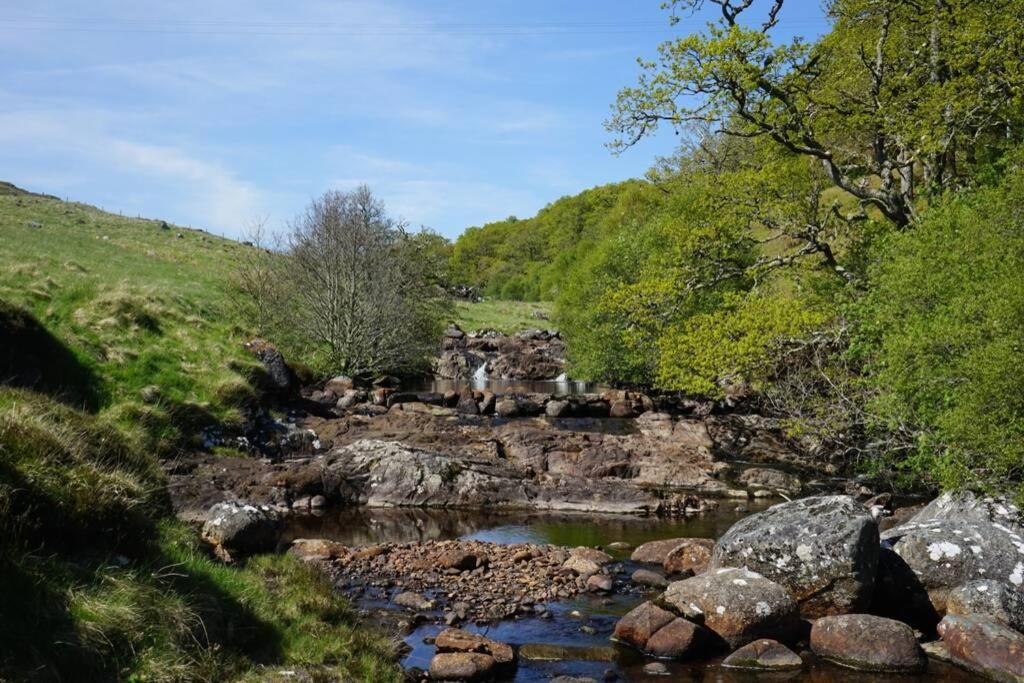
(996, 599)
(236, 530)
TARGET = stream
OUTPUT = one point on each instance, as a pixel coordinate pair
(575, 641)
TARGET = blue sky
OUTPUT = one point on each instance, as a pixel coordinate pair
(217, 114)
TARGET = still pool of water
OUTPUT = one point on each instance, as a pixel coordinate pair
(575, 642)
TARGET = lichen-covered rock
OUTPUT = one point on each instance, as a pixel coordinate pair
(996, 599)
(984, 645)
(739, 605)
(960, 537)
(238, 529)
(823, 549)
(764, 654)
(691, 556)
(867, 642)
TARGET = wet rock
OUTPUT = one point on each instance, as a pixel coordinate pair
(960, 537)
(599, 583)
(739, 605)
(996, 599)
(461, 666)
(656, 552)
(655, 669)
(413, 601)
(764, 654)
(640, 623)
(679, 639)
(457, 640)
(866, 642)
(984, 645)
(646, 577)
(823, 549)
(691, 556)
(547, 652)
(236, 530)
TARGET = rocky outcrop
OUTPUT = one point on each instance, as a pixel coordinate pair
(869, 643)
(764, 655)
(995, 599)
(823, 549)
(237, 530)
(529, 355)
(984, 645)
(958, 538)
(740, 606)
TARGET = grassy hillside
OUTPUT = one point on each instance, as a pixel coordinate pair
(504, 316)
(118, 343)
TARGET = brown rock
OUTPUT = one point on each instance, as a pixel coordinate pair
(461, 666)
(657, 551)
(599, 583)
(622, 409)
(646, 577)
(457, 640)
(764, 654)
(637, 626)
(692, 555)
(506, 407)
(870, 643)
(985, 645)
(677, 639)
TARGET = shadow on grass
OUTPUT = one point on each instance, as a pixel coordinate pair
(32, 357)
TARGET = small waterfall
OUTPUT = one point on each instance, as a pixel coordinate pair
(480, 379)
(562, 379)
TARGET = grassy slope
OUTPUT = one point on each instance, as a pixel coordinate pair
(505, 316)
(96, 581)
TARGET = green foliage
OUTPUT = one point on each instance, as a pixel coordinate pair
(942, 327)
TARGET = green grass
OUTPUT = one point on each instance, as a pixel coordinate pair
(505, 316)
(120, 342)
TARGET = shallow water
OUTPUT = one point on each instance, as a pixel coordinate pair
(583, 654)
(559, 387)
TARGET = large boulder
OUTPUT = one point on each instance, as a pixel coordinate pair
(640, 623)
(866, 642)
(739, 605)
(960, 537)
(692, 556)
(985, 645)
(823, 549)
(656, 551)
(236, 530)
(661, 633)
(996, 599)
(764, 654)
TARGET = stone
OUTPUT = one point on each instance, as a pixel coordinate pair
(984, 645)
(646, 577)
(996, 599)
(467, 404)
(767, 478)
(823, 549)
(961, 537)
(678, 639)
(506, 407)
(457, 640)
(237, 529)
(599, 557)
(581, 565)
(655, 552)
(556, 408)
(461, 666)
(691, 556)
(280, 375)
(413, 601)
(640, 623)
(599, 583)
(339, 385)
(486, 404)
(868, 643)
(622, 409)
(766, 654)
(739, 605)
(655, 669)
(459, 559)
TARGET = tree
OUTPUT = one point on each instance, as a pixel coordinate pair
(898, 89)
(358, 292)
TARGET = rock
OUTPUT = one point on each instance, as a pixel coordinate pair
(593, 554)
(599, 583)
(899, 516)
(960, 537)
(556, 408)
(457, 640)
(640, 623)
(279, 374)
(413, 601)
(655, 669)
(823, 549)
(678, 639)
(655, 552)
(739, 605)
(622, 409)
(996, 599)
(764, 654)
(339, 385)
(459, 559)
(620, 546)
(692, 556)
(486, 404)
(646, 577)
(317, 549)
(236, 529)
(984, 645)
(766, 478)
(581, 565)
(506, 407)
(866, 642)
(461, 666)
(350, 398)
(467, 404)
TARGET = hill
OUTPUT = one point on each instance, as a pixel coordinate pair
(119, 342)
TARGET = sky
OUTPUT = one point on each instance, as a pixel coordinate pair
(223, 113)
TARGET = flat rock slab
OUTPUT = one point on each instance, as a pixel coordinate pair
(868, 643)
(739, 605)
(984, 645)
(823, 549)
(457, 640)
(764, 654)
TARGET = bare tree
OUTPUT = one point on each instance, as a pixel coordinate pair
(256, 278)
